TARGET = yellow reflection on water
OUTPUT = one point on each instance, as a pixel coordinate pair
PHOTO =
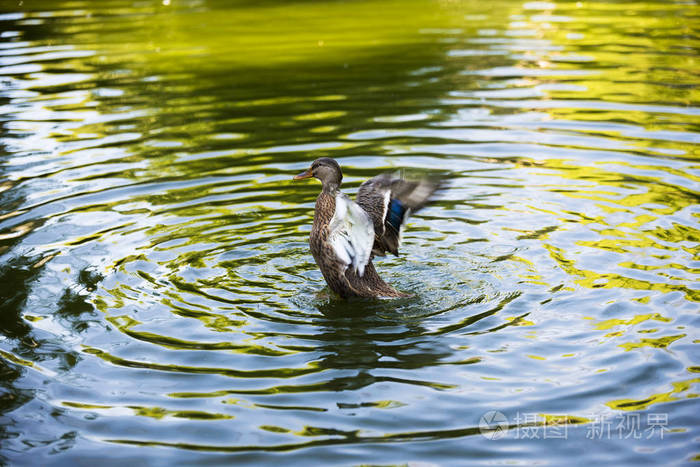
(658, 343)
(641, 404)
(610, 323)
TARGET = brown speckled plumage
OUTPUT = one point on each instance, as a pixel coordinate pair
(373, 197)
(343, 281)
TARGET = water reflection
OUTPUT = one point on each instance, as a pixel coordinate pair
(157, 285)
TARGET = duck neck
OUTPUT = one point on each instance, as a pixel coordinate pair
(325, 208)
(330, 187)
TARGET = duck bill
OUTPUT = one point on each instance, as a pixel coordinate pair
(303, 175)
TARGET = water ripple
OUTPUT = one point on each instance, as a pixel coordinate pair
(159, 298)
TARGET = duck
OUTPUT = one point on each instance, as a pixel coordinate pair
(347, 235)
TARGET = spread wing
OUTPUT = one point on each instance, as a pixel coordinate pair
(389, 201)
(351, 234)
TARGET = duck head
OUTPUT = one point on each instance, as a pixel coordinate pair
(325, 169)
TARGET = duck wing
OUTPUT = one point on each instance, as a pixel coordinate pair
(389, 201)
(351, 234)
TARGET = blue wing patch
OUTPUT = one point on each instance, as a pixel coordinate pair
(396, 213)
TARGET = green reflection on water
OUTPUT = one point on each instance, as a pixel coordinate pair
(157, 413)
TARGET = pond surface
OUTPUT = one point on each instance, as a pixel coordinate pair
(158, 300)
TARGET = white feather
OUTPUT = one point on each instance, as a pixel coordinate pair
(387, 200)
(351, 233)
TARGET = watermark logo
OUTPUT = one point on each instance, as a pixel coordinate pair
(628, 425)
(493, 424)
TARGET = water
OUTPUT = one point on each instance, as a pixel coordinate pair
(159, 302)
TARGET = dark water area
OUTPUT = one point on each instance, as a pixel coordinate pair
(158, 300)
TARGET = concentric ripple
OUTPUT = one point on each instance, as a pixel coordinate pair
(159, 302)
